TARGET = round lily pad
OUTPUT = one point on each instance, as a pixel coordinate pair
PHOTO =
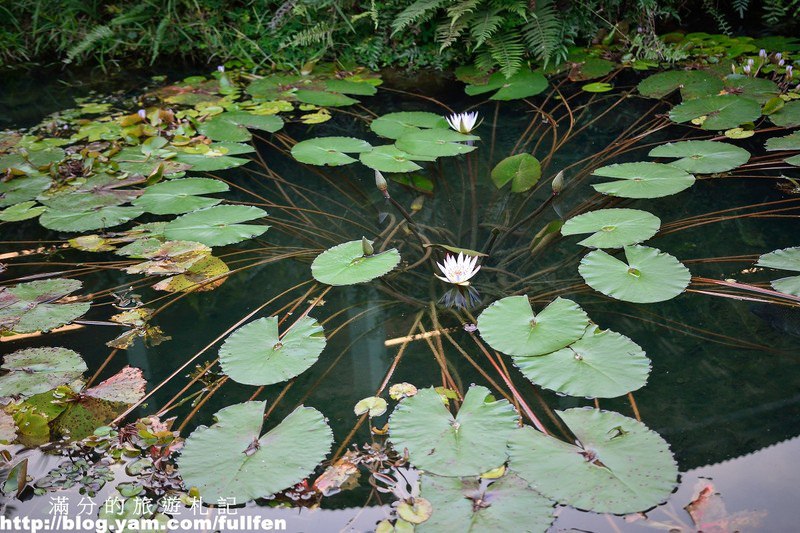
(233, 126)
(522, 170)
(475, 505)
(179, 196)
(331, 151)
(255, 354)
(613, 228)
(601, 364)
(721, 111)
(523, 84)
(395, 125)
(323, 98)
(217, 226)
(472, 442)
(37, 370)
(618, 465)
(663, 83)
(510, 326)
(788, 142)
(642, 180)
(360, 88)
(231, 460)
(22, 189)
(788, 116)
(21, 211)
(33, 306)
(89, 219)
(649, 275)
(703, 157)
(786, 259)
(391, 159)
(436, 142)
(346, 264)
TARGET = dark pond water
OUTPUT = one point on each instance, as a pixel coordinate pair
(725, 386)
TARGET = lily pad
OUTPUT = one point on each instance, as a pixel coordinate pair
(788, 116)
(663, 83)
(217, 226)
(643, 180)
(373, 405)
(179, 196)
(649, 275)
(323, 98)
(597, 87)
(786, 259)
(703, 157)
(21, 211)
(33, 306)
(788, 142)
(255, 354)
(476, 505)
(171, 257)
(231, 460)
(205, 275)
(89, 219)
(721, 111)
(618, 465)
(395, 125)
(233, 126)
(521, 85)
(331, 151)
(346, 264)
(472, 442)
(522, 170)
(510, 326)
(22, 189)
(37, 370)
(351, 87)
(601, 364)
(613, 228)
(391, 159)
(436, 142)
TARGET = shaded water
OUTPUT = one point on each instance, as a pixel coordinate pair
(725, 386)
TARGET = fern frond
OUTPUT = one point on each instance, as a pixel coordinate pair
(448, 33)
(461, 8)
(719, 18)
(740, 6)
(544, 33)
(97, 33)
(161, 30)
(319, 32)
(507, 52)
(483, 25)
(416, 12)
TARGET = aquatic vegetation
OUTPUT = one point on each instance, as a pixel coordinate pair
(215, 179)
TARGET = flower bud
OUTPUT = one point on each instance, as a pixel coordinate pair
(380, 181)
(142, 114)
(416, 205)
(366, 247)
(558, 182)
(762, 54)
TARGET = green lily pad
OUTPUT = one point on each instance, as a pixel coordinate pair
(597, 87)
(477, 505)
(46, 156)
(171, 257)
(22, 189)
(759, 89)
(217, 226)
(786, 259)
(346, 264)
(510, 326)
(521, 85)
(649, 275)
(233, 126)
(591, 68)
(391, 159)
(794, 160)
(21, 211)
(642, 180)
(323, 98)
(721, 111)
(255, 354)
(436, 142)
(179, 196)
(694, 81)
(209, 161)
(601, 364)
(613, 228)
(618, 465)
(37, 370)
(30, 307)
(788, 142)
(522, 170)
(230, 460)
(703, 157)
(90, 219)
(358, 88)
(372, 405)
(395, 125)
(472, 442)
(330, 151)
(788, 116)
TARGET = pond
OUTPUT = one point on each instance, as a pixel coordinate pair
(709, 364)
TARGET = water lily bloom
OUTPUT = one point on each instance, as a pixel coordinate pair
(746, 69)
(762, 54)
(220, 68)
(142, 114)
(458, 270)
(463, 122)
(789, 72)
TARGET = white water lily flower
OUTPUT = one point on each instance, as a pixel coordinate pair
(458, 270)
(463, 122)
